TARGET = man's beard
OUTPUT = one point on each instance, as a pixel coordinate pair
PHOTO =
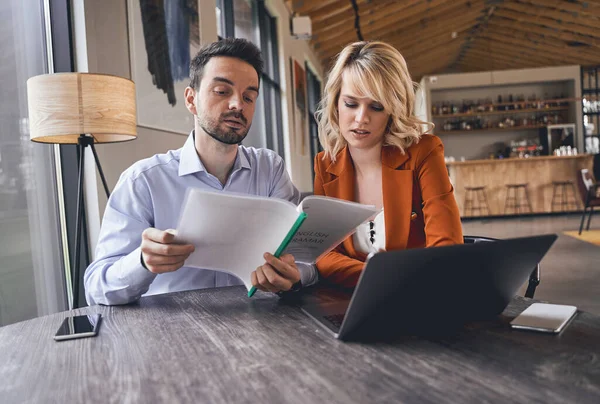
(226, 136)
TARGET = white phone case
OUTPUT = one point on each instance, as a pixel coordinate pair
(544, 317)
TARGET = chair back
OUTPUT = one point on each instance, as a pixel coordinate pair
(477, 239)
(584, 183)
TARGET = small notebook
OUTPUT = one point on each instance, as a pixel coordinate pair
(544, 317)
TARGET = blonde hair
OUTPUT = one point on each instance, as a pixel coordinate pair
(378, 71)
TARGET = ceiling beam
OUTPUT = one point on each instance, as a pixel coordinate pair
(440, 53)
(543, 13)
(376, 18)
(482, 21)
(459, 19)
(442, 19)
(514, 61)
(515, 55)
(345, 5)
(306, 6)
(543, 48)
(535, 39)
(347, 16)
(547, 22)
(503, 23)
(583, 8)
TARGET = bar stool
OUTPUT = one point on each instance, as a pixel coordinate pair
(561, 199)
(515, 202)
(476, 201)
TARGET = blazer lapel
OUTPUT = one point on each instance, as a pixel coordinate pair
(343, 187)
(397, 198)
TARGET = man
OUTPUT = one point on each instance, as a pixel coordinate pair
(136, 253)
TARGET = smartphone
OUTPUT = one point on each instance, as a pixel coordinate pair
(78, 327)
(544, 317)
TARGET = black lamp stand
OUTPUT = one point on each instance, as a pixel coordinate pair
(82, 142)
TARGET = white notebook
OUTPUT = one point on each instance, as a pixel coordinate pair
(544, 317)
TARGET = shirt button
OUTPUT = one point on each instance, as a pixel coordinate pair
(413, 216)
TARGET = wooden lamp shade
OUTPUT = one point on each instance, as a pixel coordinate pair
(63, 106)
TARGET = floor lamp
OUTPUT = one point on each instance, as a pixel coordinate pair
(81, 109)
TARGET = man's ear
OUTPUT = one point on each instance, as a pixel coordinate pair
(190, 100)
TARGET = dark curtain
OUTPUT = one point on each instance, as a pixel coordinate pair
(157, 46)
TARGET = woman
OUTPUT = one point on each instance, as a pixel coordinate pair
(376, 153)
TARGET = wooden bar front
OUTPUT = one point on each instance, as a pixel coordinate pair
(537, 172)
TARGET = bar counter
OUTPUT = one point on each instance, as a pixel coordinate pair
(537, 172)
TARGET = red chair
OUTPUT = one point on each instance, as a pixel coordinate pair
(588, 190)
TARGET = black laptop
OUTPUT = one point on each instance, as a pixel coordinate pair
(428, 289)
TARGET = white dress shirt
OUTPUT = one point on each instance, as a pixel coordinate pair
(362, 237)
(150, 194)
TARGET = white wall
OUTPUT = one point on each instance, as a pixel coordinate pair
(102, 46)
(299, 164)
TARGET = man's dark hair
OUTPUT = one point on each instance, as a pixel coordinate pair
(230, 47)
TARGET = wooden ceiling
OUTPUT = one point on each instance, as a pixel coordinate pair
(443, 36)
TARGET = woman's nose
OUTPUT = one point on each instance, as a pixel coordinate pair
(362, 115)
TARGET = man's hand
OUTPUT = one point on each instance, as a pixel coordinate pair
(276, 274)
(160, 253)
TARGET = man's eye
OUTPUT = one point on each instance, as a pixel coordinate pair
(220, 92)
(248, 100)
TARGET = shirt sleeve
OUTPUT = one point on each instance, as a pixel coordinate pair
(117, 275)
(282, 186)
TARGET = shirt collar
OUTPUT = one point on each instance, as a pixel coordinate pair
(190, 163)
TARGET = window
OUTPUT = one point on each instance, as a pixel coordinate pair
(314, 96)
(224, 18)
(271, 80)
(32, 278)
(251, 20)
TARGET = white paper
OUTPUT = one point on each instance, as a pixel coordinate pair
(329, 221)
(231, 232)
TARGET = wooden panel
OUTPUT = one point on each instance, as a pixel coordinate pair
(380, 23)
(537, 172)
(306, 6)
(543, 14)
(541, 32)
(504, 24)
(584, 8)
(545, 47)
(547, 22)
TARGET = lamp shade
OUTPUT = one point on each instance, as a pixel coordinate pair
(63, 106)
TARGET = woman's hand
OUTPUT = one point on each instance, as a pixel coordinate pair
(276, 274)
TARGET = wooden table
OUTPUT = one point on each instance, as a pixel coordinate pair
(537, 172)
(218, 346)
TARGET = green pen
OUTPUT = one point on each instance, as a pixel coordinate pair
(286, 241)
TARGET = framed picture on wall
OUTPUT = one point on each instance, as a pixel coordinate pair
(162, 40)
(300, 124)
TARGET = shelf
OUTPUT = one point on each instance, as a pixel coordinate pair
(495, 105)
(591, 91)
(512, 111)
(591, 113)
(489, 130)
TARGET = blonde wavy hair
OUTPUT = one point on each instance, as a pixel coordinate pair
(378, 71)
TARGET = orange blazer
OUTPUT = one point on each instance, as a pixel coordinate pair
(418, 202)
